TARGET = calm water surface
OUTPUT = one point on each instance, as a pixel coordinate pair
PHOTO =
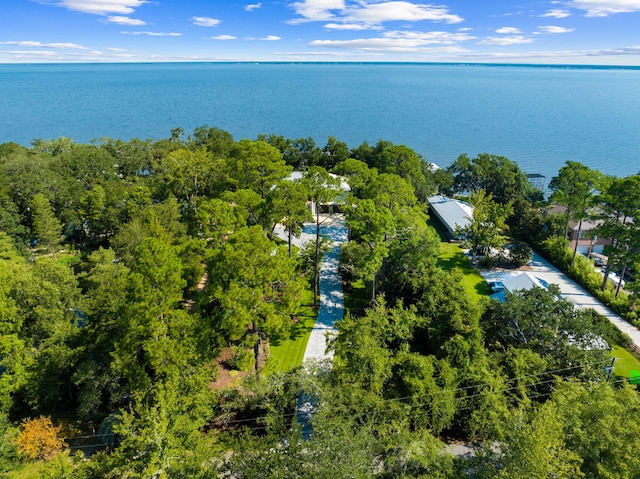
(539, 117)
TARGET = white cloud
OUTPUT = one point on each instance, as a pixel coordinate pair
(554, 29)
(370, 12)
(223, 37)
(442, 38)
(205, 21)
(556, 14)
(385, 44)
(316, 10)
(253, 6)
(399, 11)
(604, 8)
(28, 43)
(352, 26)
(508, 30)
(30, 53)
(120, 20)
(270, 38)
(101, 7)
(154, 34)
(402, 41)
(604, 57)
(510, 40)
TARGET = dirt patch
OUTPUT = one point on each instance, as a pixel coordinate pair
(226, 378)
(231, 378)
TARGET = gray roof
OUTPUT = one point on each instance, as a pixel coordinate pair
(453, 213)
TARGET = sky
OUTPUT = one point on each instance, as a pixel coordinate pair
(592, 32)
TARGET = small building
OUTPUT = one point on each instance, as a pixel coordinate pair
(453, 214)
(519, 282)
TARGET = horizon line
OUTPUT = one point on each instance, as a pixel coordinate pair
(335, 62)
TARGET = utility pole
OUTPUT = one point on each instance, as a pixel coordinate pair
(610, 368)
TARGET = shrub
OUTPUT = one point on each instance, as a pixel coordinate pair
(39, 439)
(556, 249)
(241, 359)
(520, 253)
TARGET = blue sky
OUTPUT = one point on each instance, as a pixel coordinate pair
(604, 32)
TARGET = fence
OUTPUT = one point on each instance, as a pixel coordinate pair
(633, 347)
(90, 444)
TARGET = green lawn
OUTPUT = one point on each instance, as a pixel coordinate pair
(287, 354)
(625, 361)
(452, 258)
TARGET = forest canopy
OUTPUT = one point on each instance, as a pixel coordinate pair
(128, 267)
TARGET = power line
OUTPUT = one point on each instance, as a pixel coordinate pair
(445, 391)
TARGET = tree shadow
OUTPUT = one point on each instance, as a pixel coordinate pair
(302, 324)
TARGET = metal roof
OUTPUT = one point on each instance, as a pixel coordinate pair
(453, 213)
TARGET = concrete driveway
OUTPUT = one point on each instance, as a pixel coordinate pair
(570, 290)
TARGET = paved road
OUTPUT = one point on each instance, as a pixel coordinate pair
(570, 290)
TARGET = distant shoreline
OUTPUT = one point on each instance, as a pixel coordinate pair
(570, 66)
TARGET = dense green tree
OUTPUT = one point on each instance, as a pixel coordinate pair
(133, 159)
(599, 427)
(534, 447)
(357, 174)
(488, 226)
(249, 207)
(47, 229)
(287, 204)
(575, 187)
(618, 207)
(406, 163)
(526, 223)
(302, 154)
(106, 284)
(162, 431)
(334, 152)
(23, 175)
(550, 326)
(497, 175)
(12, 223)
(159, 338)
(256, 165)
(369, 227)
(216, 220)
(189, 175)
(217, 142)
(253, 283)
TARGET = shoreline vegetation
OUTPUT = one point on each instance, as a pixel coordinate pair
(132, 271)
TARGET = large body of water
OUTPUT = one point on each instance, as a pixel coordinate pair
(539, 117)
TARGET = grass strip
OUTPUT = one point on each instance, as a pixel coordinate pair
(625, 361)
(286, 355)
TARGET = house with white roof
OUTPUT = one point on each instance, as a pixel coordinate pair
(453, 214)
(520, 282)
